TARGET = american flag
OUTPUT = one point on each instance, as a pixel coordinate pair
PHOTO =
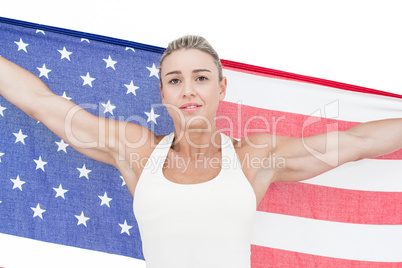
(348, 217)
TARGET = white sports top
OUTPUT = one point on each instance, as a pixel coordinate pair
(203, 225)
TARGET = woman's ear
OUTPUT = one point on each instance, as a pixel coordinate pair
(223, 85)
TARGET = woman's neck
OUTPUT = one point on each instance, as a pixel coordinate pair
(194, 143)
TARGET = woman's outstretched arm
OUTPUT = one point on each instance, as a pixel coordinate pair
(311, 156)
(97, 137)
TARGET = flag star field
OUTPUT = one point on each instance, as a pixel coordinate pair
(60, 195)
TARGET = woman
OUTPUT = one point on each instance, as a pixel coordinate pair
(196, 198)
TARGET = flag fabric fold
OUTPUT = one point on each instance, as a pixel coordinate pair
(52, 195)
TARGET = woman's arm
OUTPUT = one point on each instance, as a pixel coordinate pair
(99, 138)
(308, 157)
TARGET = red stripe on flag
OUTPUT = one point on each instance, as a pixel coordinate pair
(245, 120)
(264, 257)
(239, 120)
(333, 204)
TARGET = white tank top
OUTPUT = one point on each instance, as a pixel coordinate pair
(203, 225)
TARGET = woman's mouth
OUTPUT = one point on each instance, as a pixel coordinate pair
(190, 107)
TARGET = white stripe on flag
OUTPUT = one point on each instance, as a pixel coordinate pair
(306, 98)
(380, 243)
(24, 252)
(366, 175)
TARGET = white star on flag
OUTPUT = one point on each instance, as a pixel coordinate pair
(17, 183)
(60, 191)
(62, 146)
(65, 54)
(130, 48)
(65, 96)
(84, 39)
(40, 164)
(125, 227)
(22, 45)
(108, 107)
(131, 88)
(105, 200)
(123, 181)
(20, 137)
(1, 110)
(38, 211)
(84, 172)
(110, 62)
(40, 31)
(151, 116)
(1, 154)
(82, 219)
(154, 71)
(87, 80)
(44, 71)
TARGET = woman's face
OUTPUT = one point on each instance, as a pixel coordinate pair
(190, 87)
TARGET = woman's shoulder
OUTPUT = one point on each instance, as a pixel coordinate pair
(140, 136)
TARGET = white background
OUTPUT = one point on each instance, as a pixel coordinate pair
(356, 42)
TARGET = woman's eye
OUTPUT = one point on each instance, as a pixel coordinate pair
(202, 78)
(174, 81)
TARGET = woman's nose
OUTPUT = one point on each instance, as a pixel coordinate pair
(188, 89)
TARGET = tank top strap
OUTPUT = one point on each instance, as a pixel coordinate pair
(229, 156)
(162, 148)
(158, 156)
(164, 145)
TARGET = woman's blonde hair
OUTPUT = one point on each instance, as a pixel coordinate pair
(196, 42)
